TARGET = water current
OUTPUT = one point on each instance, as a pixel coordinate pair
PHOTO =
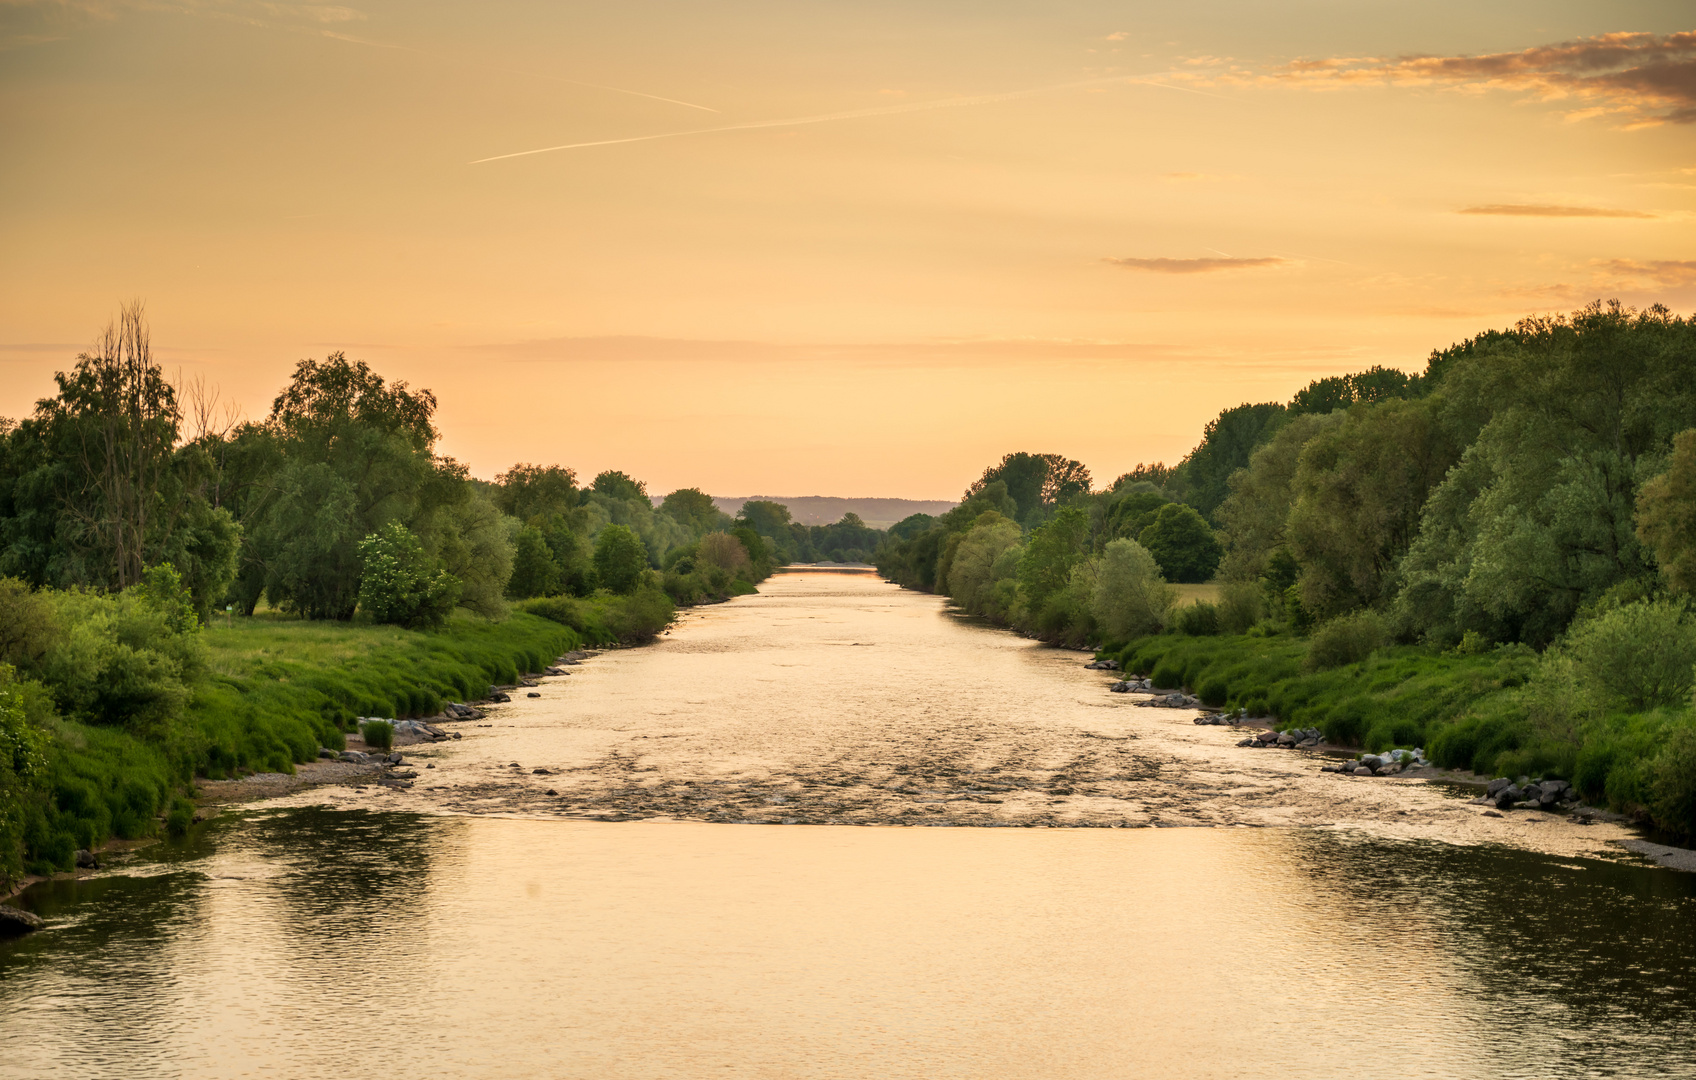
(1287, 923)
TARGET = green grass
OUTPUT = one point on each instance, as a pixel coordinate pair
(276, 689)
(1467, 711)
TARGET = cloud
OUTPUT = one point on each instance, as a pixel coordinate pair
(1194, 266)
(1644, 79)
(1668, 272)
(1550, 210)
(1117, 35)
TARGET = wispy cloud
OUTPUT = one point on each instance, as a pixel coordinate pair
(1195, 266)
(1640, 78)
(1666, 272)
(1554, 210)
(854, 114)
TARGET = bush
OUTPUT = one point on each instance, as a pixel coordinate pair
(1672, 784)
(401, 584)
(1182, 543)
(1240, 606)
(378, 734)
(639, 616)
(1345, 640)
(1200, 619)
(1638, 655)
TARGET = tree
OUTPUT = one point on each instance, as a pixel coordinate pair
(1053, 550)
(1375, 384)
(694, 508)
(971, 572)
(1131, 598)
(1202, 478)
(619, 485)
(531, 491)
(1358, 490)
(1637, 655)
(400, 583)
(533, 570)
(1181, 543)
(620, 559)
(765, 517)
(1254, 515)
(471, 538)
(1666, 515)
(356, 454)
(723, 551)
(1034, 481)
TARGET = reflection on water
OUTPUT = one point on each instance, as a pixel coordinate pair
(313, 943)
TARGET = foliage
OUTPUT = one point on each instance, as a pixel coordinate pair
(615, 484)
(1052, 553)
(378, 734)
(534, 572)
(1200, 619)
(1636, 655)
(1226, 445)
(528, 492)
(401, 583)
(1241, 606)
(1034, 482)
(1672, 783)
(1131, 598)
(971, 572)
(1666, 515)
(620, 559)
(1348, 639)
(23, 758)
(1182, 543)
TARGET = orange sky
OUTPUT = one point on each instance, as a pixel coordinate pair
(1079, 228)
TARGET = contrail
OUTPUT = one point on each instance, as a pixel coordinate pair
(514, 71)
(852, 114)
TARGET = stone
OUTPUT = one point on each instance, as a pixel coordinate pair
(354, 756)
(1248, 742)
(1307, 744)
(1121, 688)
(1491, 813)
(553, 671)
(1506, 797)
(1497, 784)
(1267, 736)
(1286, 739)
(532, 694)
(86, 860)
(432, 765)
(542, 772)
(551, 791)
(14, 922)
(498, 697)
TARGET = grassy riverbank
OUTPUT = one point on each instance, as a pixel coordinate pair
(1501, 711)
(271, 692)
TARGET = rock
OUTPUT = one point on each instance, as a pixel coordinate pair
(1506, 797)
(394, 758)
(1491, 813)
(1248, 742)
(1286, 739)
(1307, 744)
(514, 765)
(528, 682)
(354, 756)
(1531, 793)
(457, 735)
(1267, 736)
(551, 791)
(326, 752)
(553, 671)
(542, 772)
(1103, 665)
(14, 922)
(432, 765)
(1327, 768)
(1120, 688)
(499, 698)
(532, 694)
(86, 860)
(1496, 785)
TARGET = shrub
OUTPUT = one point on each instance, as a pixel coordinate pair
(1182, 543)
(638, 617)
(1639, 655)
(1672, 784)
(1348, 639)
(1130, 597)
(723, 551)
(378, 734)
(1240, 606)
(401, 584)
(1200, 619)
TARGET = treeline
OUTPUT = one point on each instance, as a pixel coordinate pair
(133, 511)
(1531, 493)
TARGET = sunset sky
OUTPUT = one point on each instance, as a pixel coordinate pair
(830, 248)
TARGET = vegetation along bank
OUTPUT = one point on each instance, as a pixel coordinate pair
(184, 593)
(1492, 559)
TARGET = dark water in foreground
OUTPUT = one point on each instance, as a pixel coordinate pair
(317, 943)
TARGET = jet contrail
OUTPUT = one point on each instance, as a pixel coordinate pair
(852, 114)
(514, 71)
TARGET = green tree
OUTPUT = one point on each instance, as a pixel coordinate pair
(1034, 482)
(401, 583)
(1227, 441)
(619, 485)
(1637, 655)
(1666, 515)
(976, 565)
(1182, 543)
(620, 559)
(1052, 552)
(694, 508)
(529, 491)
(1254, 516)
(534, 572)
(1131, 597)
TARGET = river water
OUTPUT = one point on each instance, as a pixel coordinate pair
(477, 926)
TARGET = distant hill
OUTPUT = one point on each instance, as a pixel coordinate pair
(827, 509)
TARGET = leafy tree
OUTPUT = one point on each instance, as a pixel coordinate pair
(1254, 516)
(1034, 481)
(534, 572)
(1128, 514)
(1366, 387)
(1052, 552)
(1666, 515)
(1131, 597)
(1637, 655)
(401, 583)
(723, 551)
(531, 491)
(23, 758)
(1359, 487)
(910, 526)
(356, 454)
(765, 517)
(1182, 543)
(972, 571)
(694, 508)
(471, 538)
(620, 559)
(1227, 441)
(619, 485)
(1157, 475)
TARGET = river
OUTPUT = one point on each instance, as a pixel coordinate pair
(1284, 923)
